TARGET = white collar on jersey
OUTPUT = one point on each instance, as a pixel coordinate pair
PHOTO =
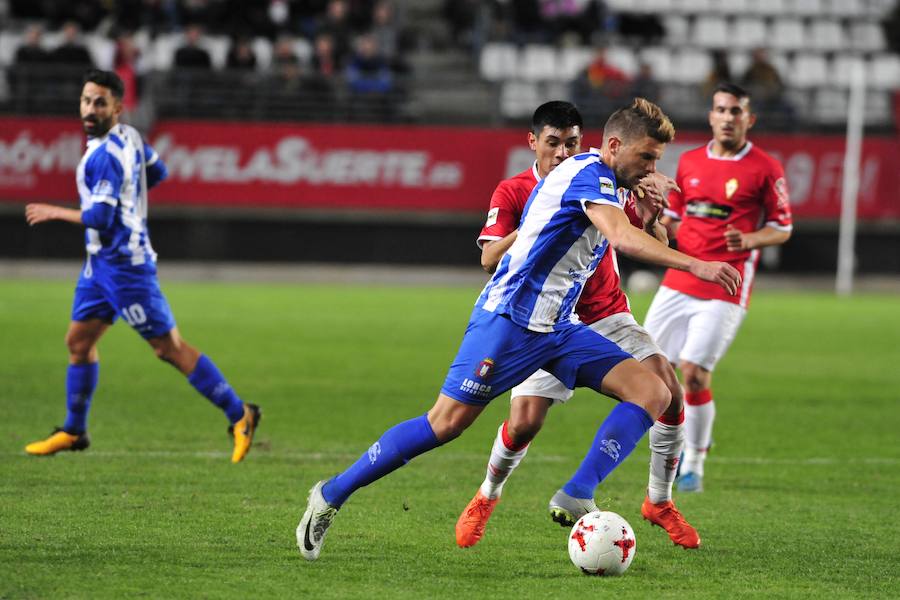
(534, 171)
(737, 156)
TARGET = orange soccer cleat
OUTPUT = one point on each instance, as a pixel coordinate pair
(58, 441)
(667, 516)
(471, 523)
(243, 431)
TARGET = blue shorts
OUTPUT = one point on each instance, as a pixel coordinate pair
(132, 292)
(496, 355)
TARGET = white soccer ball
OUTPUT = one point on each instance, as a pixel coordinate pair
(602, 543)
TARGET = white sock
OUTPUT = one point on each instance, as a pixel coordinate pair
(698, 424)
(501, 465)
(666, 444)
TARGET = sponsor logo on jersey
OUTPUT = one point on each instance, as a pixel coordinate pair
(484, 368)
(492, 216)
(709, 210)
(611, 447)
(474, 388)
(607, 187)
(694, 181)
(731, 186)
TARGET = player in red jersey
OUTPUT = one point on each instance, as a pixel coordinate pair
(556, 134)
(734, 201)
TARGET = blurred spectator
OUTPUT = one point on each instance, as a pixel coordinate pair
(562, 17)
(306, 14)
(286, 65)
(719, 73)
(324, 59)
(368, 71)
(390, 36)
(647, 27)
(463, 17)
(336, 23)
(156, 16)
(644, 85)
(527, 22)
(191, 55)
(31, 51)
(212, 14)
(891, 25)
(766, 87)
(125, 64)
(241, 56)
(72, 51)
(369, 81)
(600, 88)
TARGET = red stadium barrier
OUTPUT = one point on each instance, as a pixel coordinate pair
(344, 167)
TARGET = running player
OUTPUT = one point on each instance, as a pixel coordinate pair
(524, 319)
(733, 201)
(602, 306)
(119, 275)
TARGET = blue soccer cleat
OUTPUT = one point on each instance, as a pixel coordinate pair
(690, 482)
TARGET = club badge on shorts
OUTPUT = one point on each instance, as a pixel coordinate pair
(484, 368)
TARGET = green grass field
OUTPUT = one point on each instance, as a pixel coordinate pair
(803, 485)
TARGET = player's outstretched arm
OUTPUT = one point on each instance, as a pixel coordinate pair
(492, 252)
(37, 213)
(737, 240)
(612, 222)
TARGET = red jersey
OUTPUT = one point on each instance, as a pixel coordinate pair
(746, 191)
(602, 295)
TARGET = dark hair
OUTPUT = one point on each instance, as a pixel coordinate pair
(641, 118)
(556, 114)
(106, 79)
(733, 89)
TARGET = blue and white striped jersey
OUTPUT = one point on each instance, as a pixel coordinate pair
(118, 169)
(539, 280)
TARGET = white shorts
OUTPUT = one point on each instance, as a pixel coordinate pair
(621, 328)
(692, 329)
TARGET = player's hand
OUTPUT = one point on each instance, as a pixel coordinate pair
(735, 239)
(39, 213)
(653, 191)
(718, 272)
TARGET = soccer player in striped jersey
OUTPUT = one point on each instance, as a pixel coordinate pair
(733, 201)
(524, 319)
(119, 274)
(604, 307)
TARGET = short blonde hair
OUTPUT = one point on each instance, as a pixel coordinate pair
(641, 118)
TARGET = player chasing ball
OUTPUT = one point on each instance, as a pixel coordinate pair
(524, 319)
(733, 200)
(119, 274)
(555, 135)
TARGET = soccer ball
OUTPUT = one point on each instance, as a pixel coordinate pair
(602, 543)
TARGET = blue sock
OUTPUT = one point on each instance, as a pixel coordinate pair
(209, 381)
(396, 447)
(81, 380)
(616, 438)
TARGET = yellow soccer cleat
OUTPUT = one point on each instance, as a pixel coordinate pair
(243, 430)
(58, 441)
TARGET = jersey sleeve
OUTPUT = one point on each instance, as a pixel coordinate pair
(631, 209)
(503, 215)
(156, 168)
(776, 199)
(676, 198)
(595, 184)
(104, 176)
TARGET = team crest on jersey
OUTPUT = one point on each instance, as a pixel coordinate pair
(492, 216)
(694, 181)
(607, 187)
(731, 186)
(485, 368)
